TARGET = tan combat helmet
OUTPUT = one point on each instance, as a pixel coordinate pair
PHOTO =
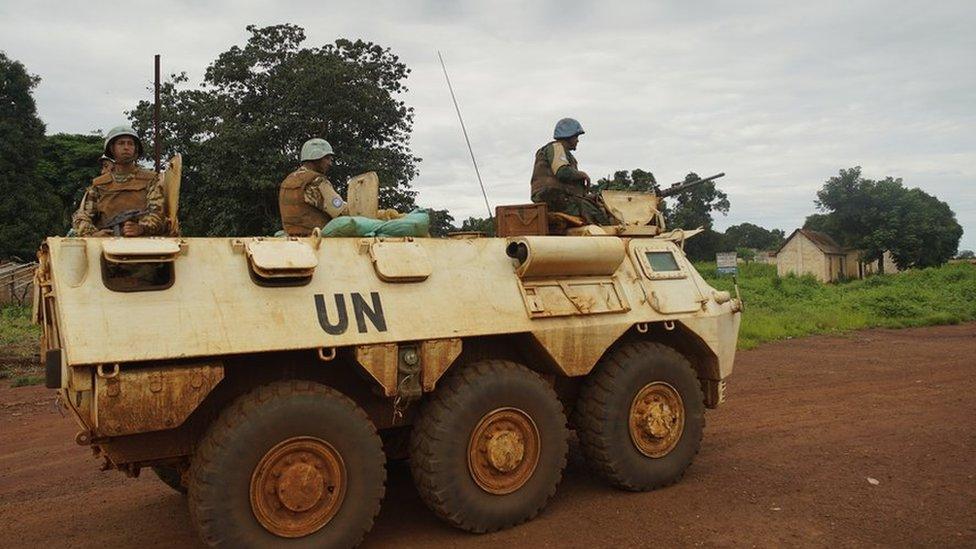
(117, 132)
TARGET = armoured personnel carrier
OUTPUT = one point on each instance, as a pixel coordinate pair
(271, 378)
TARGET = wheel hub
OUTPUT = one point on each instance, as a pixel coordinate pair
(503, 450)
(656, 419)
(506, 450)
(298, 486)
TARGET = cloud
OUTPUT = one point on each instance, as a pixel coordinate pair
(778, 96)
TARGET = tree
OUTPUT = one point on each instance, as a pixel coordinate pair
(693, 208)
(745, 254)
(875, 216)
(747, 235)
(29, 209)
(622, 180)
(68, 164)
(484, 225)
(966, 254)
(240, 132)
(441, 222)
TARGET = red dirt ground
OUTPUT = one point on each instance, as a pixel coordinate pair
(785, 461)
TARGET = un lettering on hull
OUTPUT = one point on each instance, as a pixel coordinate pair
(362, 311)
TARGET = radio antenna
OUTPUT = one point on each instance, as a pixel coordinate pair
(465, 132)
(156, 142)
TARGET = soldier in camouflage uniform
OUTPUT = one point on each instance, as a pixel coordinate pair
(306, 198)
(558, 182)
(125, 187)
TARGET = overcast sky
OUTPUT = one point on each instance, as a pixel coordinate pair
(778, 95)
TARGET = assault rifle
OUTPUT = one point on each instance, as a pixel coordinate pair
(118, 220)
(683, 186)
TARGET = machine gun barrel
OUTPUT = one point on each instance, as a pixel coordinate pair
(682, 186)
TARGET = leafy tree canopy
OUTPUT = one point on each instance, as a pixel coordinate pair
(28, 206)
(241, 130)
(622, 180)
(484, 225)
(747, 235)
(874, 216)
(68, 164)
(441, 222)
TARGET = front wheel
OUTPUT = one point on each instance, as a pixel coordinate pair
(292, 463)
(640, 416)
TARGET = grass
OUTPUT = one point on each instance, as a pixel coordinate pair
(791, 306)
(24, 381)
(18, 336)
(19, 346)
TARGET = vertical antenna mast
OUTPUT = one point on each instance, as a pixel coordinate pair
(465, 132)
(156, 144)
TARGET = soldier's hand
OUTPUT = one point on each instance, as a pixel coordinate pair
(132, 228)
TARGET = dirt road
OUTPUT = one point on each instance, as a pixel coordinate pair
(786, 461)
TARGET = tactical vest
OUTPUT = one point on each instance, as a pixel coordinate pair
(297, 216)
(543, 177)
(115, 198)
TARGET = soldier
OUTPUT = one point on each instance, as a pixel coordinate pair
(126, 187)
(306, 198)
(558, 182)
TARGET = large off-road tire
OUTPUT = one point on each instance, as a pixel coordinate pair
(640, 416)
(489, 448)
(170, 476)
(290, 464)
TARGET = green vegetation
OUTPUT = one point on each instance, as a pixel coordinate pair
(24, 381)
(877, 216)
(18, 336)
(780, 308)
(18, 346)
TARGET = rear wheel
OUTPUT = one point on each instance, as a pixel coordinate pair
(292, 463)
(489, 448)
(640, 416)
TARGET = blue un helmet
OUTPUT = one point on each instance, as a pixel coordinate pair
(566, 128)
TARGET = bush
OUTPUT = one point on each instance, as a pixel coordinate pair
(791, 306)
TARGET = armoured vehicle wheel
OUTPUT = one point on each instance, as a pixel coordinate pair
(489, 448)
(640, 416)
(292, 463)
(170, 476)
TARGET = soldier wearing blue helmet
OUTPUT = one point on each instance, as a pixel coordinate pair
(557, 180)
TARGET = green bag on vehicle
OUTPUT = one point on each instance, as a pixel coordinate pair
(347, 225)
(415, 223)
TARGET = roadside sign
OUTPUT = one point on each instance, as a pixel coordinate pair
(727, 263)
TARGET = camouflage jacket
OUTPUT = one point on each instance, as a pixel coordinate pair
(139, 189)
